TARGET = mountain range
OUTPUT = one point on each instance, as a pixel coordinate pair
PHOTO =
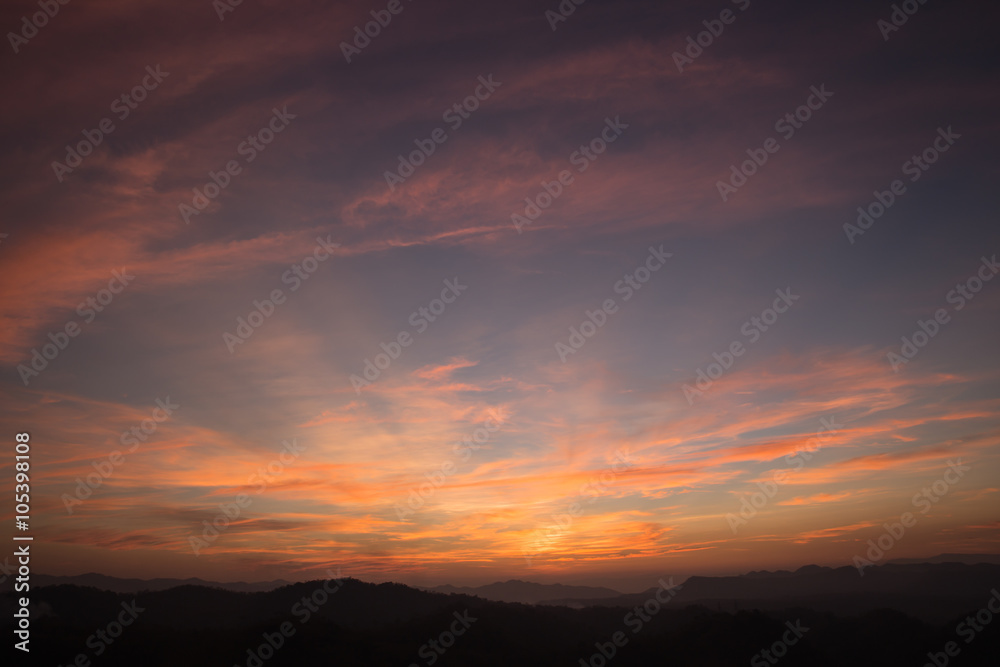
(896, 614)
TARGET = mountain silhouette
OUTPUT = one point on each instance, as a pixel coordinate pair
(528, 592)
(350, 622)
(929, 591)
(119, 585)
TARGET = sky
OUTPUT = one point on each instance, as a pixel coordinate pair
(499, 292)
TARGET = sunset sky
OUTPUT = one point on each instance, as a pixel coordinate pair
(500, 354)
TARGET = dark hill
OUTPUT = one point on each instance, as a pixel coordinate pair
(932, 592)
(372, 625)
